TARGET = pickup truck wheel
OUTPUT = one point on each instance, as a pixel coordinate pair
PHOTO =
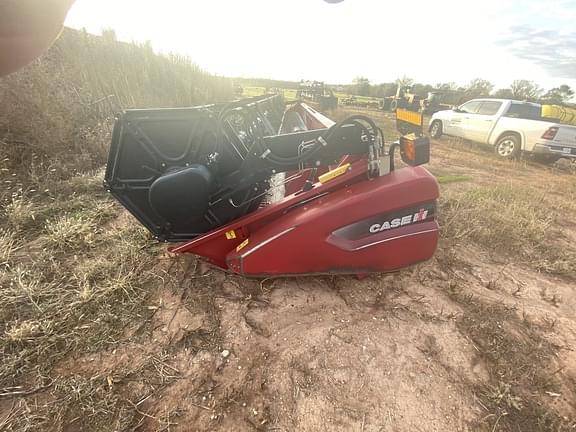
(393, 105)
(436, 129)
(508, 147)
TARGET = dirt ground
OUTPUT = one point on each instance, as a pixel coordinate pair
(473, 340)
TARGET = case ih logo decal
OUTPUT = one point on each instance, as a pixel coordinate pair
(388, 222)
(398, 222)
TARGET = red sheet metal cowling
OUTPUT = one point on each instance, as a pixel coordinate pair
(350, 224)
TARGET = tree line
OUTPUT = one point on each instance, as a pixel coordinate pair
(451, 92)
(519, 89)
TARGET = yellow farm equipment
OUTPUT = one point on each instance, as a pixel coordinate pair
(562, 114)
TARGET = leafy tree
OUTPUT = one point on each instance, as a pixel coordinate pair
(559, 95)
(422, 89)
(525, 90)
(449, 86)
(383, 90)
(478, 87)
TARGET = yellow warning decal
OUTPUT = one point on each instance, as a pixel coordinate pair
(334, 173)
(411, 117)
(230, 234)
(241, 245)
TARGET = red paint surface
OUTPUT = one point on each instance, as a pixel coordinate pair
(295, 235)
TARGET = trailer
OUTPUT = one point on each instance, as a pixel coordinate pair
(316, 91)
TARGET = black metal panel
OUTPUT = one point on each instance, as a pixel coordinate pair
(150, 143)
(185, 171)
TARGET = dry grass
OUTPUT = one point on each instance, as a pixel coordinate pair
(511, 221)
(81, 286)
(57, 113)
(18, 212)
(73, 288)
(71, 232)
(7, 246)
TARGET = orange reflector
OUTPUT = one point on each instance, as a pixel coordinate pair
(409, 150)
(415, 150)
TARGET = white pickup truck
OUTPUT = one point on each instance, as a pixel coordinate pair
(510, 126)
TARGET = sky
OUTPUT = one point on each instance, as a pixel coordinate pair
(431, 41)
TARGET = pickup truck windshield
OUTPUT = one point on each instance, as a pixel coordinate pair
(524, 111)
(470, 107)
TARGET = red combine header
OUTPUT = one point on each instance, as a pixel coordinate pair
(259, 190)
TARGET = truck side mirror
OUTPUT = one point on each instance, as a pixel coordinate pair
(415, 150)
